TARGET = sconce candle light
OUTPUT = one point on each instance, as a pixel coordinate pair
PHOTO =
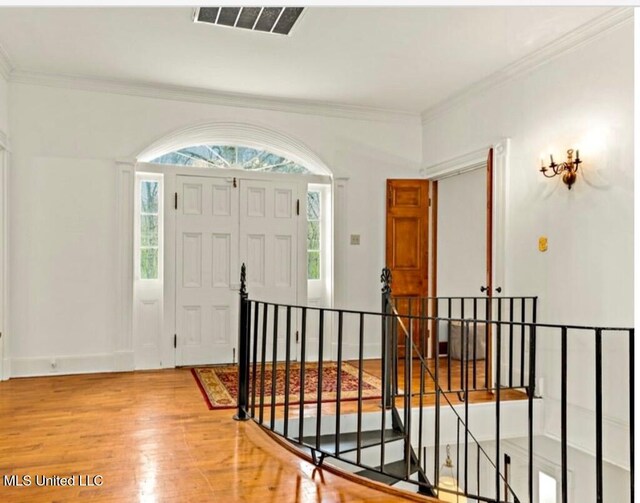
(567, 169)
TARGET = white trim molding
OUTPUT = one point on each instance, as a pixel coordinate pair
(123, 343)
(211, 97)
(65, 365)
(610, 20)
(6, 65)
(473, 160)
(456, 165)
(4, 141)
(236, 133)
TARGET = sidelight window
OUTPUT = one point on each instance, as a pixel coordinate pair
(314, 208)
(148, 227)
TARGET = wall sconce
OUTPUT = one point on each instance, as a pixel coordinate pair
(567, 169)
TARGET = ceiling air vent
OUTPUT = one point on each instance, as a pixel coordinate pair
(278, 20)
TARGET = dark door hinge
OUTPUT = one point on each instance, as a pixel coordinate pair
(297, 336)
(298, 207)
(175, 201)
(175, 341)
(235, 182)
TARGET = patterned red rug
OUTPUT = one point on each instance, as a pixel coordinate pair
(219, 384)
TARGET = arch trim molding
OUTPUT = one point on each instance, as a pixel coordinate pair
(236, 133)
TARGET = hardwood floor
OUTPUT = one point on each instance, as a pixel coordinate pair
(372, 405)
(151, 438)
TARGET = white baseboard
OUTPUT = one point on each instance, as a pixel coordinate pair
(6, 369)
(124, 361)
(64, 365)
(350, 350)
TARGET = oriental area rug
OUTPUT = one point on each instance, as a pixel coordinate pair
(219, 384)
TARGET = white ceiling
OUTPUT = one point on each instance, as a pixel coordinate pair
(408, 58)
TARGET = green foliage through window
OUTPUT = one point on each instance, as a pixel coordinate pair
(149, 231)
(313, 234)
(230, 156)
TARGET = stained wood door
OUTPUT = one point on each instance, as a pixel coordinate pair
(489, 255)
(407, 241)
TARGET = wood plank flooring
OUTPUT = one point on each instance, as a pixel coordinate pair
(151, 438)
(373, 367)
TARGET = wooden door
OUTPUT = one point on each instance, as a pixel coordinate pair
(487, 286)
(407, 255)
(489, 255)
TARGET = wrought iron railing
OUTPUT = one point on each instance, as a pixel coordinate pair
(445, 312)
(388, 444)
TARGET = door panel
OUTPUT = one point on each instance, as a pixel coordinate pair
(407, 229)
(269, 247)
(206, 254)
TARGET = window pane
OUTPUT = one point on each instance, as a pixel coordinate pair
(313, 206)
(313, 271)
(149, 263)
(149, 197)
(227, 156)
(149, 230)
(313, 235)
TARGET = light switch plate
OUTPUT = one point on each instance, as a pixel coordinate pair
(355, 239)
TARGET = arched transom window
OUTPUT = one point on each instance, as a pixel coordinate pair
(231, 157)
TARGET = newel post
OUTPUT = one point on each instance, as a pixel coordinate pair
(243, 349)
(387, 339)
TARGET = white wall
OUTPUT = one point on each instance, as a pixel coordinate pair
(63, 229)
(4, 105)
(583, 98)
(4, 167)
(462, 240)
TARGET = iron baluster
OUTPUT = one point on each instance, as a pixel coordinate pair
(339, 382)
(563, 414)
(303, 364)
(263, 360)
(243, 350)
(255, 359)
(360, 375)
(320, 370)
(598, 357)
(274, 366)
(287, 370)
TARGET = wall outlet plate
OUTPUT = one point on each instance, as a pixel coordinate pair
(355, 239)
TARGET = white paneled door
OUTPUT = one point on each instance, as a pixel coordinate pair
(206, 266)
(269, 229)
(221, 224)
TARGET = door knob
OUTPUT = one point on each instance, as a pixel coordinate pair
(499, 289)
(484, 289)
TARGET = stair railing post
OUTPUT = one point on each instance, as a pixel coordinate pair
(388, 336)
(243, 350)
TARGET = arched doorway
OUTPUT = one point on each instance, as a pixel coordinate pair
(203, 209)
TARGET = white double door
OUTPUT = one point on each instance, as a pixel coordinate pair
(221, 223)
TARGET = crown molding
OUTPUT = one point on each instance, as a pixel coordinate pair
(456, 165)
(199, 95)
(6, 65)
(610, 20)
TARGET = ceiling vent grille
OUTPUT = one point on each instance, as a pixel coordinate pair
(278, 20)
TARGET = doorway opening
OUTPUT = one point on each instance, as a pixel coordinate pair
(225, 205)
